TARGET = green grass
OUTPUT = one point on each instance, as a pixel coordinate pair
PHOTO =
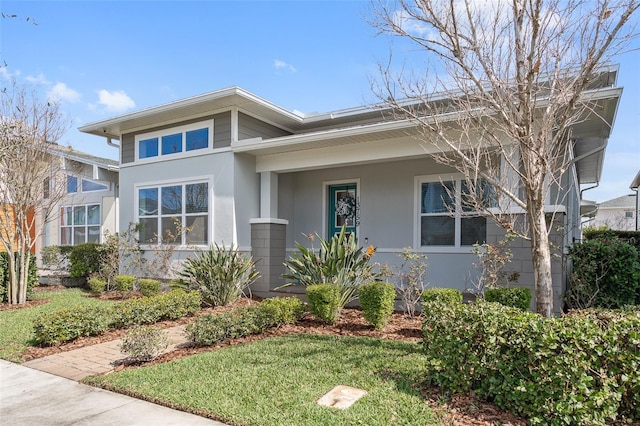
(277, 381)
(16, 325)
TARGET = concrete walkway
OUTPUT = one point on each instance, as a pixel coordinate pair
(96, 359)
(44, 391)
(29, 397)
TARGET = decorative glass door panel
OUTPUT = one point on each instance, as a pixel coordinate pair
(343, 208)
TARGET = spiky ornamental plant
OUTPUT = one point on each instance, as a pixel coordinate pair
(220, 274)
(339, 261)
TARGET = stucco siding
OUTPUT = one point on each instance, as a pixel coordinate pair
(216, 167)
(250, 127)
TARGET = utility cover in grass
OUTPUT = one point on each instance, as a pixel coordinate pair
(341, 397)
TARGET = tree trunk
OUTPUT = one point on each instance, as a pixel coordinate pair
(541, 256)
(13, 278)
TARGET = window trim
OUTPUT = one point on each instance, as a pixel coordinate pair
(174, 182)
(208, 124)
(85, 226)
(459, 213)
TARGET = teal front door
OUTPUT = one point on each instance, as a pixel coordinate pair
(343, 208)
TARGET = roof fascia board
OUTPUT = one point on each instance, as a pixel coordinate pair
(211, 96)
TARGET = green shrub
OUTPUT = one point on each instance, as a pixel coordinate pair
(178, 303)
(220, 274)
(377, 301)
(144, 343)
(84, 260)
(124, 284)
(606, 273)
(149, 287)
(32, 280)
(67, 324)
(209, 330)
(445, 295)
(572, 370)
(281, 310)
(324, 302)
(516, 297)
(96, 285)
(339, 261)
(148, 310)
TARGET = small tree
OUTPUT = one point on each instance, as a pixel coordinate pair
(517, 78)
(30, 174)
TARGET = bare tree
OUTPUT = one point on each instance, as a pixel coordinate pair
(29, 170)
(506, 83)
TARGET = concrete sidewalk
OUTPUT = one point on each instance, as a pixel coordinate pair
(31, 397)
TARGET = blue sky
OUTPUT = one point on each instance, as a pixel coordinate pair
(106, 58)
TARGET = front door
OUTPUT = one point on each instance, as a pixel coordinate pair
(343, 208)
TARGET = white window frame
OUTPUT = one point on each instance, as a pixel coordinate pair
(208, 124)
(174, 182)
(85, 226)
(458, 214)
(80, 179)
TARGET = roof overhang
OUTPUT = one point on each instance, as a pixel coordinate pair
(635, 183)
(233, 97)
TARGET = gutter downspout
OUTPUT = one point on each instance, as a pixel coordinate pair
(588, 154)
(113, 144)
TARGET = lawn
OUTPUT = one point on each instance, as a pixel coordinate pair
(16, 325)
(277, 381)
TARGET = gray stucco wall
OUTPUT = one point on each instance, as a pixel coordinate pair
(387, 221)
(218, 167)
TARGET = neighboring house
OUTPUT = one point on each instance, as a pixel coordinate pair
(635, 186)
(237, 169)
(618, 214)
(90, 204)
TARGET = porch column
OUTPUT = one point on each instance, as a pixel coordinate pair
(268, 249)
(268, 195)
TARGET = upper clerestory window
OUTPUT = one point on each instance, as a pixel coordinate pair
(174, 141)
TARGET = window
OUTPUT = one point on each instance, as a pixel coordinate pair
(628, 215)
(86, 185)
(72, 184)
(446, 216)
(175, 141)
(89, 185)
(79, 224)
(174, 214)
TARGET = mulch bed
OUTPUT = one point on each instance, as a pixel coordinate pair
(460, 410)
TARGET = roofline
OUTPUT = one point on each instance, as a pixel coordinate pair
(218, 94)
(635, 183)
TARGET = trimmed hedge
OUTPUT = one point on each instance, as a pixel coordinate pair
(324, 302)
(149, 287)
(377, 299)
(68, 324)
(445, 295)
(84, 260)
(516, 297)
(606, 274)
(96, 285)
(578, 369)
(124, 284)
(209, 330)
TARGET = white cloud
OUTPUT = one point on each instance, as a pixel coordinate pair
(62, 92)
(38, 79)
(409, 24)
(116, 101)
(282, 65)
